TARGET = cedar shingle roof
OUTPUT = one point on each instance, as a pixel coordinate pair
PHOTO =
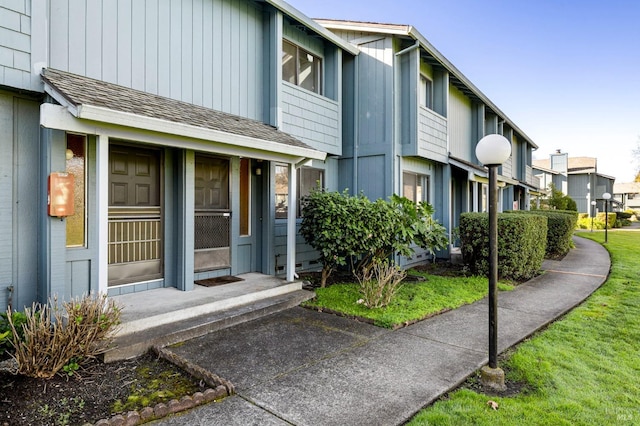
(79, 90)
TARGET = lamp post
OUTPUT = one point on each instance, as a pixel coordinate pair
(593, 212)
(606, 197)
(493, 150)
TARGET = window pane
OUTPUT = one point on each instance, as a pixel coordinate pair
(282, 191)
(309, 77)
(426, 92)
(427, 189)
(244, 196)
(310, 179)
(289, 62)
(409, 186)
(76, 165)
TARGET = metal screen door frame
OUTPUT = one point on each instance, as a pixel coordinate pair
(212, 216)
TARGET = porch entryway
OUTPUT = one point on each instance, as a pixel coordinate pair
(165, 316)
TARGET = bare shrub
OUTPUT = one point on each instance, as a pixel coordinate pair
(379, 283)
(54, 337)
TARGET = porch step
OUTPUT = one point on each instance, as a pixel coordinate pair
(138, 340)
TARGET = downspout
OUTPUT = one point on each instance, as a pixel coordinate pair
(356, 121)
(395, 109)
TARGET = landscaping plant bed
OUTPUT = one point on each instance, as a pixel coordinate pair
(93, 392)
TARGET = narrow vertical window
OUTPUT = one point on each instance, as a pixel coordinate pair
(409, 185)
(426, 92)
(485, 197)
(76, 165)
(245, 191)
(282, 191)
(309, 179)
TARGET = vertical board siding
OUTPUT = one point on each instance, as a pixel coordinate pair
(93, 45)
(460, 124)
(312, 118)
(368, 167)
(7, 173)
(124, 43)
(205, 52)
(375, 83)
(26, 208)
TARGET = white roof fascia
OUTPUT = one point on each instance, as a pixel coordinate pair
(365, 26)
(51, 91)
(175, 135)
(310, 23)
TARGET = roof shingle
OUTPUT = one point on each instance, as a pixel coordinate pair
(79, 90)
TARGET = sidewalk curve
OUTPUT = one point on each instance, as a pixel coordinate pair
(303, 367)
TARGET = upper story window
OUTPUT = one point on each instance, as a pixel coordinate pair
(426, 92)
(301, 68)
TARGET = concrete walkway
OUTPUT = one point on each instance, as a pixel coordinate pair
(302, 367)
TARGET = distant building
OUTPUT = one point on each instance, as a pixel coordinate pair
(627, 195)
(577, 177)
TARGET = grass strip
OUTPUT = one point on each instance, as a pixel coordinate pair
(581, 370)
(413, 302)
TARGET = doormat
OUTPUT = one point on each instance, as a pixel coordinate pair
(212, 282)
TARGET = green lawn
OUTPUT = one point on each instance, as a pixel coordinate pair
(413, 302)
(582, 370)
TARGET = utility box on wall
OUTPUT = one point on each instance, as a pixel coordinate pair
(60, 194)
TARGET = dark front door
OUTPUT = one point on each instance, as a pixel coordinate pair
(212, 221)
(135, 215)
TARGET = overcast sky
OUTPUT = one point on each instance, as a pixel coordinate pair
(567, 72)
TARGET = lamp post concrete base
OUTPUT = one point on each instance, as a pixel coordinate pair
(492, 377)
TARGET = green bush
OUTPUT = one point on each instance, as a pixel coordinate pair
(342, 228)
(521, 243)
(611, 219)
(624, 215)
(585, 223)
(560, 227)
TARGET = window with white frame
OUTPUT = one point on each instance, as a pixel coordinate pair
(309, 178)
(301, 67)
(415, 187)
(426, 92)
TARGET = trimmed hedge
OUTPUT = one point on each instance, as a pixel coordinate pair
(611, 216)
(560, 227)
(521, 244)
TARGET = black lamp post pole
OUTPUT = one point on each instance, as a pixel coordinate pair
(493, 266)
(606, 220)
